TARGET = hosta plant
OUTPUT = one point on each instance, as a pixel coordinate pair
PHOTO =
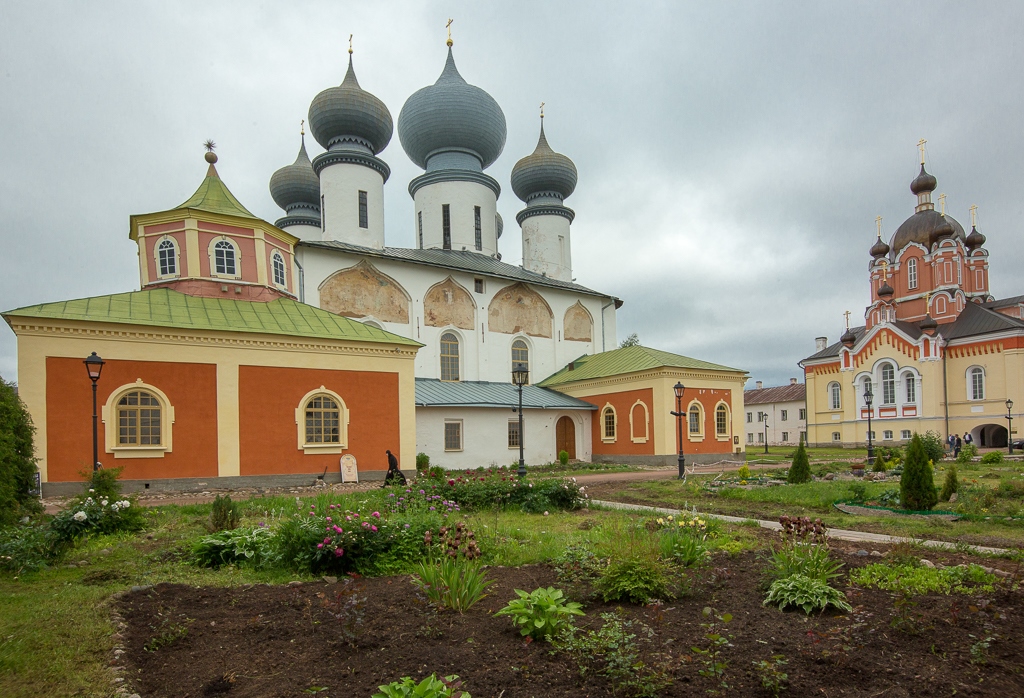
(541, 613)
(808, 594)
(430, 687)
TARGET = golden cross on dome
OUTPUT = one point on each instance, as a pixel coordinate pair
(942, 204)
(885, 270)
(350, 44)
(449, 27)
(847, 314)
(920, 144)
(927, 302)
(878, 222)
(974, 215)
(542, 110)
(302, 127)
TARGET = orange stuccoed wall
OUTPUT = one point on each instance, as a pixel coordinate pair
(268, 398)
(191, 389)
(709, 399)
(622, 402)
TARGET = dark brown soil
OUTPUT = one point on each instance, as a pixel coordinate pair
(262, 641)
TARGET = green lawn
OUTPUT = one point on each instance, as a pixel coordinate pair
(778, 454)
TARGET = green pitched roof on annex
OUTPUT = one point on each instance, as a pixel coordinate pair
(166, 308)
(626, 360)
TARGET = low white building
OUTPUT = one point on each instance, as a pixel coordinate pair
(778, 414)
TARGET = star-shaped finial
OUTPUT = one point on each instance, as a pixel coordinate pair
(210, 145)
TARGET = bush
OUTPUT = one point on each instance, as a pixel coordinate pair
(24, 548)
(800, 470)
(223, 514)
(744, 472)
(563, 457)
(502, 488)
(104, 483)
(934, 446)
(991, 458)
(813, 561)
(805, 593)
(917, 486)
(890, 454)
(879, 464)
(637, 580)
(911, 579)
(430, 687)
(967, 453)
(578, 569)
(17, 458)
(542, 613)
(253, 546)
(85, 516)
(422, 462)
(950, 485)
(452, 582)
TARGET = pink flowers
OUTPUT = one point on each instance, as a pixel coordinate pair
(376, 514)
(337, 529)
(373, 528)
(338, 552)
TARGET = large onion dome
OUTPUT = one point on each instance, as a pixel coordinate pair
(544, 173)
(452, 117)
(296, 184)
(975, 239)
(923, 182)
(879, 249)
(349, 114)
(925, 227)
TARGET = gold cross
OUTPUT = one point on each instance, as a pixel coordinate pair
(885, 267)
(350, 44)
(927, 302)
(847, 314)
(920, 144)
(878, 222)
(302, 127)
(449, 27)
(542, 110)
(974, 215)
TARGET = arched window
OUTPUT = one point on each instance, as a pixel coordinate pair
(721, 420)
(139, 419)
(835, 396)
(912, 273)
(608, 423)
(888, 384)
(520, 354)
(911, 383)
(639, 419)
(695, 415)
(277, 262)
(976, 384)
(167, 258)
(449, 357)
(322, 422)
(225, 259)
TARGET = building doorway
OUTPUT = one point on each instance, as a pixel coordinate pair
(989, 436)
(565, 437)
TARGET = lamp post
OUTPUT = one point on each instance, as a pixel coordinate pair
(766, 433)
(94, 366)
(868, 396)
(678, 414)
(520, 376)
(1009, 430)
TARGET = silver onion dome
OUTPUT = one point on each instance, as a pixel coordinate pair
(544, 173)
(349, 114)
(296, 184)
(452, 117)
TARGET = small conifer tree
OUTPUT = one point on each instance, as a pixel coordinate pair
(950, 485)
(917, 484)
(879, 464)
(800, 470)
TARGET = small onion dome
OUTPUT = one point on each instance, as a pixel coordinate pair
(848, 339)
(451, 116)
(920, 227)
(544, 172)
(943, 230)
(879, 249)
(923, 182)
(499, 224)
(928, 325)
(350, 113)
(975, 239)
(885, 291)
(296, 184)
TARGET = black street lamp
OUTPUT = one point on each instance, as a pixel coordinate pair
(520, 376)
(766, 433)
(678, 414)
(868, 396)
(94, 365)
(1009, 430)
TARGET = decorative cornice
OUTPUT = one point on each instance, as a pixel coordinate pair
(454, 176)
(651, 374)
(350, 157)
(297, 220)
(545, 210)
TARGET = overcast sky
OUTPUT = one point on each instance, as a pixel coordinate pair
(732, 156)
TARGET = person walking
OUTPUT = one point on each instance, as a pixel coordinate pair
(957, 445)
(968, 439)
(394, 476)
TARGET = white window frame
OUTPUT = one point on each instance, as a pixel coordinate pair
(727, 434)
(784, 416)
(300, 423)
(634, 435)
(888, 383)
(110, 424)
(911, 274)
(835, 396)
(213, 258)
(175, 258)
(276, 257)
(695, 435)
(836, 436)
(785, 436)
(887, 435)
(609, 408)
(910, 387)
(441, 357)
(802, 413)
(976, 380)
(905, 435)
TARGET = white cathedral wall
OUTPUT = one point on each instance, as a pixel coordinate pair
(461, 198)
(485, 436)
(340, 185)
(304, 232)
(546, 247)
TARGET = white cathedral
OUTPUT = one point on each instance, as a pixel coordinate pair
(475, 315)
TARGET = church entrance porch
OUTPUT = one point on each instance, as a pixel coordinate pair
(565, 437)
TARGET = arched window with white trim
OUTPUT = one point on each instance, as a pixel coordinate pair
(224, 258)
(722, 421)
(888, 384)
(639, 419)
(279, 269)
(976, 383)
(449, 357)
(167, 258)
(138, 419)
(835, 395)
(912, 274)
(608, 424)
(910, 384)
(322, 419)
(695, 420)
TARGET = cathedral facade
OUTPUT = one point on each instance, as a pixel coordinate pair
(937, 352)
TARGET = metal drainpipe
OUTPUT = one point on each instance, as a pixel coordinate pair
(603, 338)
(302, 281)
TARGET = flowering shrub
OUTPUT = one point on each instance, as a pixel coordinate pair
(100, 515)
(685, 539)
(453, 541)
(502, 487)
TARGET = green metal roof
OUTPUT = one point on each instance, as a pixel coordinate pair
(213, 196)
(166, 308)
(626, 360)
(431, 392)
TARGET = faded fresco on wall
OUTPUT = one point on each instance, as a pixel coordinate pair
(518, 308)
(578, 325)
(448, 304)
(363, 291)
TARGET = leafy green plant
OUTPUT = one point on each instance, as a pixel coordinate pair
(541, 613)
(563, 457)
(637, 580)
(917, 486)
(967, 453)
(979, 650)
(452, 582)
(889, 498)
(914, 580)
(422, 462)
(223, 514)
(934, 447)
(28, 547)
(800, 470)
(800, 591)
(858, 491)
(254, 546)
(578, 569)
(17, 458)
(810, 560)
(430, 687)
(744, 472)
(992, 457)
(687, 548)
(950, 485)
(100, 515)
(773, 678)
(710, 656)
(104, 483)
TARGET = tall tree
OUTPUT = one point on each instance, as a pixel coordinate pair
(800, 470)
(17, 459)
(917, 483)
(631, 341)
